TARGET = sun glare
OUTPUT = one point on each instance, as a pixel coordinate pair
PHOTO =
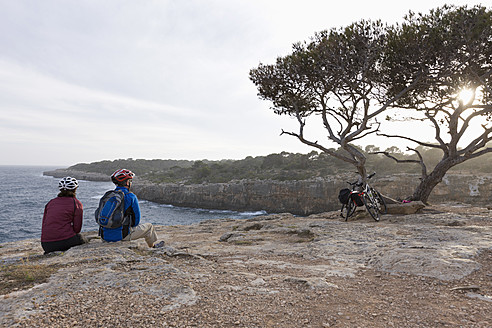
(466, 96)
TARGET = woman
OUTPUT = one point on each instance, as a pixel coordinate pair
(62, 219)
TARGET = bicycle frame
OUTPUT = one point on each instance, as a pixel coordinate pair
(371, 198)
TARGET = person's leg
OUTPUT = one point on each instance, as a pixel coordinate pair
(63, 245)
(143, 230)
(52, 246)
(78, 239)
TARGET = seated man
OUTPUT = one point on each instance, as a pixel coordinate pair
(123, 180)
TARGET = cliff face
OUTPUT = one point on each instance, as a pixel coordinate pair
(308, 196)
(298, 197)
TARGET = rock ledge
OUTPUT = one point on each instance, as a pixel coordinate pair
(269, 271)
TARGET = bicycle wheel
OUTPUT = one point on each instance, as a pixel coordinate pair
(348, 209)
(380, 202)
(371, 206)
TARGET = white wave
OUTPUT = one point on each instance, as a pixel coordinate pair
(255, 213)
(218, 211)
(166, 205)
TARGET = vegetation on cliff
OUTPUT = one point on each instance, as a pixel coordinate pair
(282, 166)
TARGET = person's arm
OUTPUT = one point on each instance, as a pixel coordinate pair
(43, 227)
(136, 209)
(44, 213)
(77, 219)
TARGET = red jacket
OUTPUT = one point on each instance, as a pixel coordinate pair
(62, 219)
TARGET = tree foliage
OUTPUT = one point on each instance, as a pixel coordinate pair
(349, 76)
(336, 77)
(450, 49)
(138, 166)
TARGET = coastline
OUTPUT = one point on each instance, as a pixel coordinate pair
(302, 197)
(80, 175)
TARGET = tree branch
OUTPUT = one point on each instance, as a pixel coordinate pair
(367, 133)
(420, 161)
(410, 139)
(437, 128)
(320, 147)
(478, 142)
(480, 153)
(398, 96)
(481, 78)
(467, 121)
(385, 153)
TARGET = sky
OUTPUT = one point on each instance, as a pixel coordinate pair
(90, 80)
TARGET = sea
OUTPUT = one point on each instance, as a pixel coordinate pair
(24, 191)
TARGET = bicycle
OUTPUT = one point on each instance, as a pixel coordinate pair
(363, 194)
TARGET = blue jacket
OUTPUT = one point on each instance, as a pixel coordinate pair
(130, 201)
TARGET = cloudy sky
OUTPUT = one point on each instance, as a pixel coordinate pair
(89, 80)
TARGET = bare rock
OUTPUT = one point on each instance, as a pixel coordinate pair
(405, 208)
(276, 270)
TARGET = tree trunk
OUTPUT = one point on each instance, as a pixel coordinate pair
(428, 183)
(361, 169)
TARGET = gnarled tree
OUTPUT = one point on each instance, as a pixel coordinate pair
(452, 46)
(336, 79)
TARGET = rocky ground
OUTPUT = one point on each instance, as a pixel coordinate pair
(431, 269)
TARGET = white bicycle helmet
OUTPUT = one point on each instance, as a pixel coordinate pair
(68, 183)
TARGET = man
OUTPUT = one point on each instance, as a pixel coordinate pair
(123, 180)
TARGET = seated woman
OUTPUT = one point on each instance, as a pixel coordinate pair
(62, 219)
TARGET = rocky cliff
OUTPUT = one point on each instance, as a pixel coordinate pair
(81, 175)
(430, 269)
(298, 197)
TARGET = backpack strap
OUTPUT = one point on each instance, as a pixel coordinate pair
(126, 231)
(131, 219)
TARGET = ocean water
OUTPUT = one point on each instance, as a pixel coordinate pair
(24, 192)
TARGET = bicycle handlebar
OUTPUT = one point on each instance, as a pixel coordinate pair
(357, 183)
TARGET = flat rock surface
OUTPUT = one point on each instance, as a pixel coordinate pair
(431, 269)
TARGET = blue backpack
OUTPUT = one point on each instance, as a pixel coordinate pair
(111, 210)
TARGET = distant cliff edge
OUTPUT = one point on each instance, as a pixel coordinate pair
(303, 197)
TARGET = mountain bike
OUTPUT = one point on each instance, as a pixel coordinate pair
(364, 194)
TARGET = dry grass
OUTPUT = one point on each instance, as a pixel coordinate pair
(23, 275)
